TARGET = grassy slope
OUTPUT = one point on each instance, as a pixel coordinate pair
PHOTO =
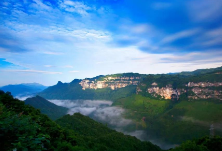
(173, 122)
(141, 106)
(201, 110)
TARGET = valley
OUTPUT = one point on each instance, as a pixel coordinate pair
(163, 109)
(166, 108)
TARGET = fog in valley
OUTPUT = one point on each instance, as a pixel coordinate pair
(103, 111)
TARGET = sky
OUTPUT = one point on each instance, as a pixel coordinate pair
(46, 41)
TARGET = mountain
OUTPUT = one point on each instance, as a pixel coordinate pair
(101, 134)
(201, 71)
(200, 84)
(23, 127)
(51, 110)
(24, 89)
(168, 107)
(110, 87)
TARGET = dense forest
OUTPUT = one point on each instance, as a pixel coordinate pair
(23, 127)
(51, 110)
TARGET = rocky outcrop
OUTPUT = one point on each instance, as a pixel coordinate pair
(204, 90)
(201, 90)
(165, 92)
(204, 84)
(205, 93)
(110, 82)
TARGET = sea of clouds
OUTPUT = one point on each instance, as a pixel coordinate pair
(103, 111)
(100, 110)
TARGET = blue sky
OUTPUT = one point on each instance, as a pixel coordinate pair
(46, 41)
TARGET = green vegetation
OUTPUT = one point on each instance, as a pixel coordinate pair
(74, 90)
(202, 144)
(141, 106)
(98, 135)
(51, 110)
(173, 122)
(25, 128)
(206, 111)
(202, 71)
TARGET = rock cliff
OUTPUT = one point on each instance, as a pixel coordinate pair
(201, 90)
(109, 82)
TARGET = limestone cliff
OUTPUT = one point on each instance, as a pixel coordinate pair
(165, 92)
(109, 82)
(201, 90)
(205, 90)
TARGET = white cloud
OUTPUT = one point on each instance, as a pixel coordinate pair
(32, 71)
(99, 109)
(67, 66)
(74, 71)
(74, 6)
(52, 53)
(207, 10)
(48, 66)
(41, 5)
(179, 35)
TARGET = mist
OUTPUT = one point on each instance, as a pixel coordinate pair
(103, 112)
(99, 110)
(23, 98)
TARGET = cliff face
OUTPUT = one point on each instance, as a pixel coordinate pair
(201, 90)
(110, 82)
(205, 90)
(165, 92)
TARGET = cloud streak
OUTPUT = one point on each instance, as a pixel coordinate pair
(32, 71)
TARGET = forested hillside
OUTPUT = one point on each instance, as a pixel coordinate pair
(25, 128)
(51, 110)
(74, 91)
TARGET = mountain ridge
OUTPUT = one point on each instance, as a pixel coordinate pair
(102, 87)
(50, 109)
(23, 89)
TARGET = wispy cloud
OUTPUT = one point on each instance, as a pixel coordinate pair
(32, 71)
(67, 66)
(75, 6)
(194, 58)
(202, 11)
(94, 36)
(52, 53)
(74, 71)
(49, 66)
(161, 5)
(179, 35)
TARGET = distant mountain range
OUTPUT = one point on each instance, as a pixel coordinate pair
(24, 89)
(199, 84)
